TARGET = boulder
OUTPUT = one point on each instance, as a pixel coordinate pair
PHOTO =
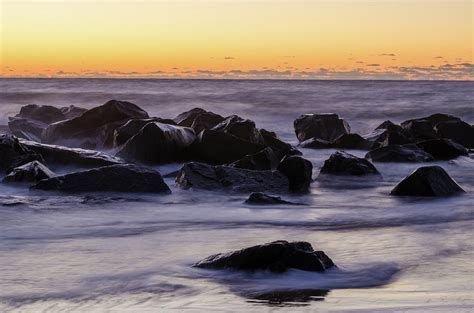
(260, 161)
(132, 127)
(277, 256)
(345, 141)
(94, 128)
(241, 128)
(13, 153)
(29, 173)
(26, 128)
(260, 198)
(217, 147)
(72, 112)
(397, 153)
(429, 181)
(442, 149)
(113, 178)
(385, 137)
(419, 130)
(299, 172)
(458, 131)
(389, 125)
(57, 155)
(208, 177)
(321, 126)
(433, 119)
(279, 147)
(315, 143)
(342, 163)
(158, 143)
(43, 113)
(198, 119)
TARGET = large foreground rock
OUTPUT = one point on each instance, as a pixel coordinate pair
(29, 173)
(442, 149)
(429, 181)
(299, 172)
(208, 177)
(158, 143)
(396, 153)
(321, 126)
(342, 163)
(277, 256)
(13, 153)
(94, 128)
(58, 155)
(114, 178)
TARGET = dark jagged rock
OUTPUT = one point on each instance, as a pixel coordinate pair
(132, 127)
(29, 173)
(13, 153)
(260, 161)
(26, 128)
(458, 131)
(442, 149)
(278, 146)
(385, 137)
(342, 163)
(43, 113)
(315, 143)
(277, 256)
(158, 143)
(94, 128)
(241, 128)
(429, 181)
(433, 119)
(419, 130)
(299, 172)
(259, 198)
(345, 141)
(389, 125)
(198, 119)
(115, 178)
(219, 148)
(58, 155)
(72, 111)
(321, 126)
(208, 177)
(397, 153)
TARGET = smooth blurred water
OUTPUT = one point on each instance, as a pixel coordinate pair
(132, 252)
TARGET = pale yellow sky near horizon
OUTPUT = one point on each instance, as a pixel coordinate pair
(243, 39)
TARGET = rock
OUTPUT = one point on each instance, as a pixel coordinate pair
(13, 153)
(94, 128)
(419, 129)
(72, 112)
(315, 143)
(43, 113)
(397, 153)
(158, 143)
(114, 178)
(458, 131)
(57, 155)
(345, 141)
(389, 125)
(386, 137)
(241, 128)
(259, 198)
(342, 163)
(442, 149)
(30, 172)
(434, 119)
(277, 256)
(321, 126)
(208, 177)
(198, 119)
(299, 172)
(219, 148)
(26, 128)
(279, 147)
(132, 127)
(260, 161)
(429, 181)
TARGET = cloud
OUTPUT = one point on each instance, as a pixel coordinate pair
(373, 64)
(229, 58)
(439, 57)
(387, 55)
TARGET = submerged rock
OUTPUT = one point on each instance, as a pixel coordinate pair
(342, 163)
(94, 128)
(429, 181)
(397, 153)
(321, 126)
(208, 177)
(113, 178)
(277, 256)
(29, 172)
(260, 161)
(198, 119)
(458, 131)
(13, 153)
(442, 149)
(158, 143)
(260, 198)
(299, 172)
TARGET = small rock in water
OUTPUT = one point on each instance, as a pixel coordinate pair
(342, 163)
(299, 172)
(259, 198)
(30, 172)
(321, 126)
(428, 181)
(443, 149)
(260, 161)
(277, 256)
(458, 131)
(396, 153)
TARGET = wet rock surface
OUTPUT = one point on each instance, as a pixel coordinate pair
(342, 163)
(29, 173)
(299, 172)
(396, 153)
(321, 126)
(13, 153)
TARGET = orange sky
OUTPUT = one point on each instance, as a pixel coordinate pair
(400, 39)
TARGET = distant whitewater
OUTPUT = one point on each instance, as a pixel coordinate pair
(120, 252)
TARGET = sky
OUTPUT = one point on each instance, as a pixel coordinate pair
(284, 39)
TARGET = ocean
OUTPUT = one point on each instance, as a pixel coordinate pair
(133, 252)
